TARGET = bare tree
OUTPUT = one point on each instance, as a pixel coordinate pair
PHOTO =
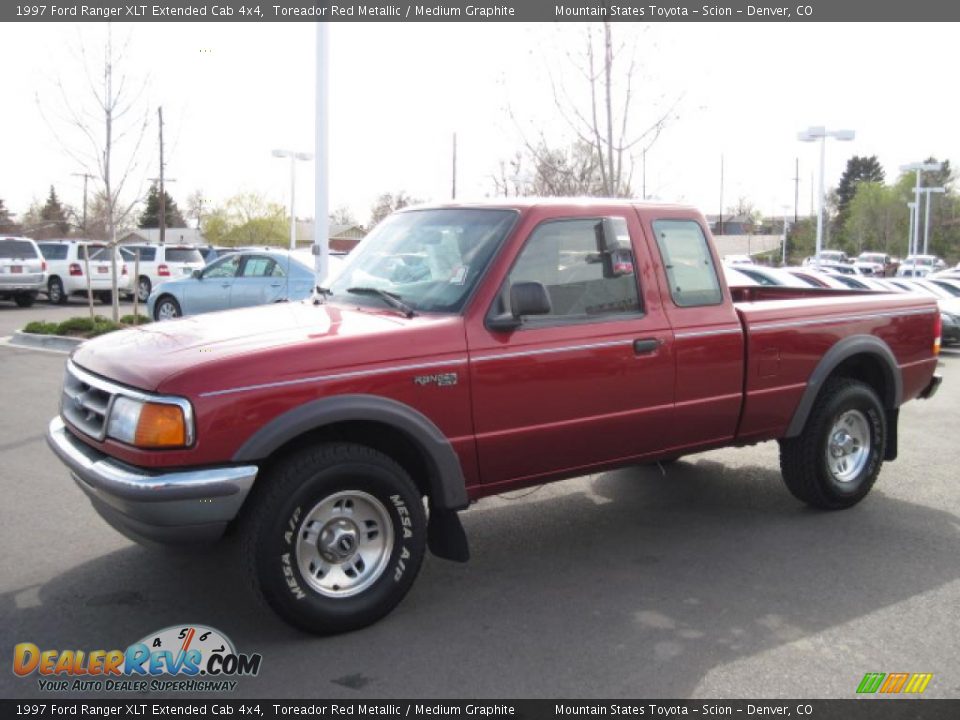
(109, 124)
(195, 203)
(595, 102)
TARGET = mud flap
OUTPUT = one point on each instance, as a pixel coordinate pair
(893, 417)
(446, 537)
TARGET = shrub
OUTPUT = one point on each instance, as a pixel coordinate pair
(41, 327)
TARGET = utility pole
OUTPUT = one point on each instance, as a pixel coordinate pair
(453, 191)
(720, 221)
(163, 195)
(796, 190)
(86, 177)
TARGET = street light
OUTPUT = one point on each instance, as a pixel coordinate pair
(919, 167)
(294, 156)
(926, 214)
(910, 238)
(811, 134)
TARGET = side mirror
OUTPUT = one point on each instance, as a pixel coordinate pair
(526, 298)
(613, 243)
(197, 274)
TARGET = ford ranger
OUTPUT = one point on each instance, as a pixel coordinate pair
(465, 350)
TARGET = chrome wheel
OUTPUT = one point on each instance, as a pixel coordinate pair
(55, 291)
(143, 289)
(344, 544)
(167, 310)
(848, 446)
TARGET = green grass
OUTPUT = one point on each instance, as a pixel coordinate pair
(83, 326)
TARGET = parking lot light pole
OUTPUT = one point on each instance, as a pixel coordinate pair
(811, 134)
(926, 215)
(919, 168)
(294, 156)
(910, 238)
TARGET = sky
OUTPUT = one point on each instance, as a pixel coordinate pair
(233, 92)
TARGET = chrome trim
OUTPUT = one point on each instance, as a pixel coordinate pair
(839, 318)
(166, 506)
(113, 389)
(335, 376)
(549, 351)
(708, 333)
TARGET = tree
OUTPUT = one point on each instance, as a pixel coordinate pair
(54, 214)
(388, 203)
(150, 217)
(876, 219)
(247, 219)
(195, 203)
(102, 131)
(343, 215)
(866, 169)
(6, 221)
(597, 109)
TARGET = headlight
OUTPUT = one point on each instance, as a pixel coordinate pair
(149, 424)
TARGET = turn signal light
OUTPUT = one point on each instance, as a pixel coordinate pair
(160, 425)
(937, 332)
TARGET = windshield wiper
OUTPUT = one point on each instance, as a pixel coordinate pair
(391, 299)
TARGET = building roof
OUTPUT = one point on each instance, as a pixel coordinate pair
(186, 236)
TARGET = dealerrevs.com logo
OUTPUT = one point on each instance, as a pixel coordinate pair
(180, 658)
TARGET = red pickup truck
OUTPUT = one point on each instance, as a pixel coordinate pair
(465, 350)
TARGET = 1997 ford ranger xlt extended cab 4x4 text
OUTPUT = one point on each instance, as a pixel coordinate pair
(465, 350)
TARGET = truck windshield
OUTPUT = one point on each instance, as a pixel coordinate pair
(428, 259)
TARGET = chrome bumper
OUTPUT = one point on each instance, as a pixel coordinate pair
(172, 508)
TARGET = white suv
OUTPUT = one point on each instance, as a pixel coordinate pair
(67, 262)
(160, 263)
(23, 271)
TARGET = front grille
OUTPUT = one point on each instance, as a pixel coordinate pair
(84, 404)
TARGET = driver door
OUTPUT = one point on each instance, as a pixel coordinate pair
(212, 290)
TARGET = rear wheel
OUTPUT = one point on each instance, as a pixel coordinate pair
(835, 461)
(334, 539)
(143, 288)
(167, 308)
(25, 300)
(55, 293)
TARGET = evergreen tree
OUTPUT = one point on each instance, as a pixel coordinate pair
(859, 169)
(54, 213)
(150, 218)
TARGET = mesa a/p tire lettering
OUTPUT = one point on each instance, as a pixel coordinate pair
(335, 538)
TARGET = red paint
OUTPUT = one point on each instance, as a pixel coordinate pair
(531, 404)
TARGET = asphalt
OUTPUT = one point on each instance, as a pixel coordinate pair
(705, 580)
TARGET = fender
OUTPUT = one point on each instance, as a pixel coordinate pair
(847, 348)
(447, 485)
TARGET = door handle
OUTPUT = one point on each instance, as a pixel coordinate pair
(226, 284)
(276, 284)
(645, 346)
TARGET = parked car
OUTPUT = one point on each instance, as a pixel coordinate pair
(233, 281)
(828, 256)
(738, 260)
(947, 301)
(23, 271)
(212, 252)
(67, 261)
(340, 439)
(771, 276)
(158, 264)
(876, 264)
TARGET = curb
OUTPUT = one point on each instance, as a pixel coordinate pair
(57, 343)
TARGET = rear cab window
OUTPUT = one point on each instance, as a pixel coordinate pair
(691, 274)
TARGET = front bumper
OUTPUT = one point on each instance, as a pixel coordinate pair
(166, 507)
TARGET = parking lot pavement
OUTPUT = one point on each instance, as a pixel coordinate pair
(12, 318)
(707, 580)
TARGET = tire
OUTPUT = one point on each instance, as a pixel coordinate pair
(167, 308)
(144, 287)
(55, 292)
(835, 461)
(25, 300)
(105, 297)
(303, 507)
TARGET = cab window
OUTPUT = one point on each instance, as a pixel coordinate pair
(688, 263)
(564, 257)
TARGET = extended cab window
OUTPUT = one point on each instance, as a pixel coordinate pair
(688, 262)
(563, 256)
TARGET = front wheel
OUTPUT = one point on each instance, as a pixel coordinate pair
(835, 461)
(167, 308)
(334, 537)
(55, 292)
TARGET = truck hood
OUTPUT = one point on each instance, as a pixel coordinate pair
(273, 342)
